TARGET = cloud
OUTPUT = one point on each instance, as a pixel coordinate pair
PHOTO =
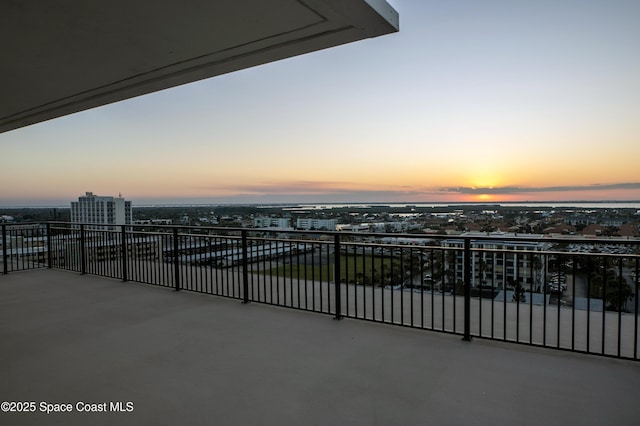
(298, 187)
(284, 198)
(307, 192)
(309, 188)
(341, 189)
(510, 190)
(349, 192)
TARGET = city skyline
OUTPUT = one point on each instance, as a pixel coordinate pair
(469, 102)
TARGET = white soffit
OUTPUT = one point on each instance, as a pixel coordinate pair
(61, 57)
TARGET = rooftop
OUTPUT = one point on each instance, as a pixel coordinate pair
(183, 357)
(68, 57)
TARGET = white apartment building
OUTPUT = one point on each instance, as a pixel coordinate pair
(94, 209)
(272, 222)
(317, 224)
(501, 263)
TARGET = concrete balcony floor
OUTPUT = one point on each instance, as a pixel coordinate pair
(186, 358)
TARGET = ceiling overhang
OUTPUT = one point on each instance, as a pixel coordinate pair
(68, 56)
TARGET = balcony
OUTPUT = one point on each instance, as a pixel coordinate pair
(79, 325)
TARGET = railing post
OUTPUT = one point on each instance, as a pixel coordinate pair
(245, 268)
(49, 256)
(336, 275)
(176, 261)
(123, 235)
(5, 269)
(83, 254)
(467, 290)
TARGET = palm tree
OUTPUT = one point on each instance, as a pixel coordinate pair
(519, 294)
(537, 271)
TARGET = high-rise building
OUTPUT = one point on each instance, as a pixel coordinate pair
(94, 209)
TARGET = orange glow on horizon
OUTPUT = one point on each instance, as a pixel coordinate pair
(483, 197)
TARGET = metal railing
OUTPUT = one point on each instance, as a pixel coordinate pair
(570, 294)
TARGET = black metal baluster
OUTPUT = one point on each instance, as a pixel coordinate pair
(467, 290)
(176, 260)
(337, 275)
(604, 301)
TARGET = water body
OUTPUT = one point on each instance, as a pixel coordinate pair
(550, 204)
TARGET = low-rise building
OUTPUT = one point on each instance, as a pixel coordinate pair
(272, 222)
(317, 224)
(504, 264)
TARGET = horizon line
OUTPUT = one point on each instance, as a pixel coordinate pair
(354, 203)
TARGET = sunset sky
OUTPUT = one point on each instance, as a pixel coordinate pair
(473, 100)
